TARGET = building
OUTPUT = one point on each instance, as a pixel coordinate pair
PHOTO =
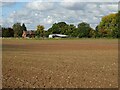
(28, 34)
(57, 36)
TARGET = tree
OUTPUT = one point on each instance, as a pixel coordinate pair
(17, 30)
(54, 29)
(7, 32)
(0, 31)
(40, 31)
(46, 34)
(83, 29)
(97, 34)
(71, 30)
(118, 24)
(108, 26)
(24, 27)
(59, 28)
(92, 33)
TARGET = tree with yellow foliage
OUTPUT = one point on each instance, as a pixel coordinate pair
(40, 31)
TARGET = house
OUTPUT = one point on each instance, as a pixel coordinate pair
(28, 34)
(57, 36)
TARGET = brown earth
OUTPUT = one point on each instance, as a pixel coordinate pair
(84, 63)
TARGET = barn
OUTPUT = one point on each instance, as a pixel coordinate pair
(57, 36)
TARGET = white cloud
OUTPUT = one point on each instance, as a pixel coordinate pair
(89, 0)
(48, 20)
(59, 0)
(1, 21)
(91, 6)
(119, 6)
(40, 5)
(110, 7)
(73, 5)
(47, 13)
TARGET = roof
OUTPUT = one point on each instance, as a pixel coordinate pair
(30, 32)
(60, 35)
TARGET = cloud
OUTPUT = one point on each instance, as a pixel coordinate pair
(89, 1)
(60, 0)
(119, 6)
(109, 7)
(48, 20)
(40, 5)
(69, 4)
(72, 12)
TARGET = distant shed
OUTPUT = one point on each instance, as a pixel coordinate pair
(57, 36)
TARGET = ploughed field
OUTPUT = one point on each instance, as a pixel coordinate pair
(82, 63)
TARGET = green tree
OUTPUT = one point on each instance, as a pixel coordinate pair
(108, 26)
(40, 31)
(92, 33)
(54, 29)
(97, 34)
(7, 32)
(117, 30)
(0, 31)
(24, 27)
(46, 33)
(83, 29)
(58, 28)
(63, 27)
(71, 30)
(17, 30)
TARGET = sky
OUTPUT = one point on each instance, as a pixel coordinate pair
(48, 12)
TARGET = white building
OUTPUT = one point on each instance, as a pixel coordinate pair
(57, 35)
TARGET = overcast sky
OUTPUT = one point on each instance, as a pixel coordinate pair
(47, 12)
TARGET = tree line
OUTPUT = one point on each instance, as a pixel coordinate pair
(108, 27)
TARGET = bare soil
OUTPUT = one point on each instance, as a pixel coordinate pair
(82, 63)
